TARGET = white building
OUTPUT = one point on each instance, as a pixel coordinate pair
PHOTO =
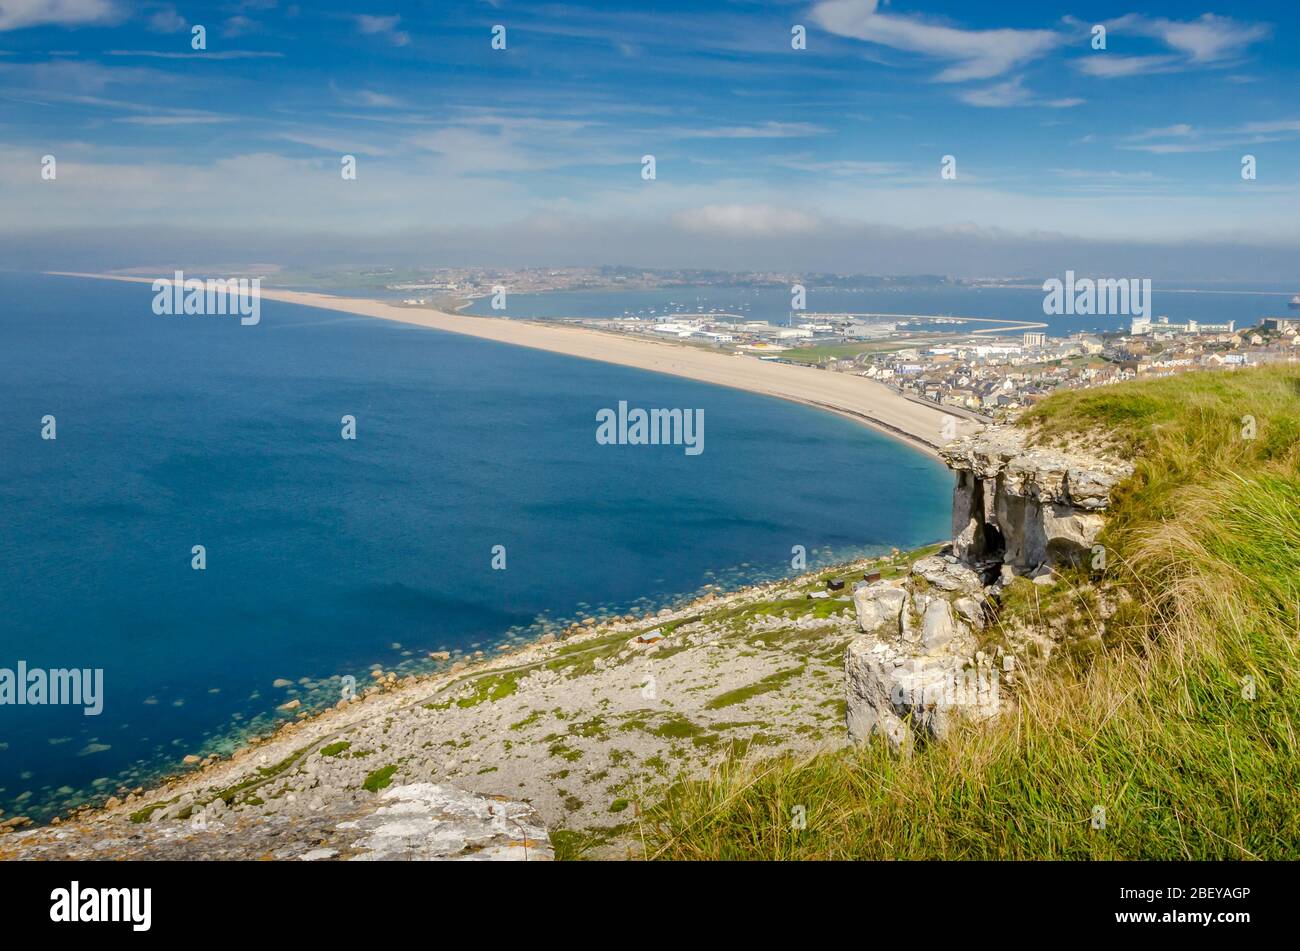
(984, 351)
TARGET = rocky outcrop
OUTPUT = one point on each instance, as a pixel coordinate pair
(431, 822)
(1025, 506)
(1017, 510)
(916, 669)
(415, 822)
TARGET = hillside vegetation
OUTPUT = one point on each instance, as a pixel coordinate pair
(1183, 728)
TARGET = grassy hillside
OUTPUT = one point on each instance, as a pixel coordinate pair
(1162, 728)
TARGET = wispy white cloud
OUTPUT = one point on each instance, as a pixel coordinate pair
(238, 25)
(166, 20)
(330, 142)
(367, 98)
(1185, 138)
(972, 54)
(17, 14)
(378, 100)
(1179, 131)
(1173, 148)
(176, 119)
(1103, 175)
(1169, 140)
(762, 130)
(1207, 39)
(1104, 65)
(1286, 127)
(807, 163)
(483, 143)
(75, 76)
(385, 26)
(1012, 92)
(200, 54)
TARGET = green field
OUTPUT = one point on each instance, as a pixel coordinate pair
(847, 351)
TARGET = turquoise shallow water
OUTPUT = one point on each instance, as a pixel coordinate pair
(325, 556)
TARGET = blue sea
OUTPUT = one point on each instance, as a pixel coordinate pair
(326, 556)
(1211, 303)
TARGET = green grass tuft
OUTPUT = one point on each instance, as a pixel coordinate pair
(380, 779)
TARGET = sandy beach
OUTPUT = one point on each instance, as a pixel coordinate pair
(851, 396)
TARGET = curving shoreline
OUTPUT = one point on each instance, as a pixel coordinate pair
(861, 400)
(855, 398)
(458, 725)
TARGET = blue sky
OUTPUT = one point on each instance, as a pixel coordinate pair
(783, 155)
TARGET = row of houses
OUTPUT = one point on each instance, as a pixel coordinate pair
(987, 377)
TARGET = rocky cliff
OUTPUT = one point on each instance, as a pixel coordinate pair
(1023, 506)
(1018, 510)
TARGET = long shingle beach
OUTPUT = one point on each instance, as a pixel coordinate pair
(848, 395)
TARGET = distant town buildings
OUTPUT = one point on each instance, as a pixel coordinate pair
(986, 375)
(1282, 325)
(934, 359)
(1143, 325)
(989, 378)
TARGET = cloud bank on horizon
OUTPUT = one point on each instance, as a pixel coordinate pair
(828, 135)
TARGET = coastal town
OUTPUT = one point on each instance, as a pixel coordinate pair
(986, 368)
(993, 370)
(996, 377)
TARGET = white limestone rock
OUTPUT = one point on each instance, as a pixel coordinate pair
(879, 607)
(947, 574)
(971, 611)
(432, 822)
(938, 626)
(903, 696)
(905, 678)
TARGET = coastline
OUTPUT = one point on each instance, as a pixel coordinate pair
(324, 726)
(861, 400)
(515, 725)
